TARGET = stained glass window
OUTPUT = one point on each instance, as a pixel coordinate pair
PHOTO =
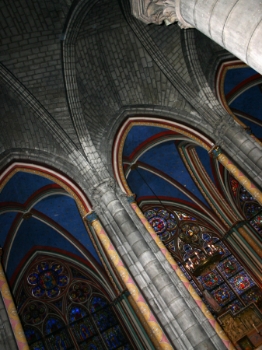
(251, 209)
(163, 222)
(59, 340)
(47, 279)
(76, 313)
(93, 344)
(34, 313)
(217, 276)
(52, 325)
(34, 339)
(66, 311)
(83, 329)
(114, 337)
(104, 319)
(97, 303)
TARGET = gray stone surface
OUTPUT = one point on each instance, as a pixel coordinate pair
(7, 340)
(219, 20)
(70, 76)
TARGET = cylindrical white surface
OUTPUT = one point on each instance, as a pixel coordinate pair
(236, 25)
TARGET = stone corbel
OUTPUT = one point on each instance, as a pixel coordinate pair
(159, 11)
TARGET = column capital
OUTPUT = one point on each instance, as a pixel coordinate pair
(90, 217)
(131, 198)
(102, 187)
(215, 151)
(157, 11)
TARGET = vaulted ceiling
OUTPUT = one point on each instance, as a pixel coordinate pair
(71, 72)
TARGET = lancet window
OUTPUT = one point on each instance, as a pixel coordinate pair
(61, 308)
(250, 208)
(218, 277)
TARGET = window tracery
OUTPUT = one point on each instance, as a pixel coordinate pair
(214, 272)
(61, 308)
(250, 208)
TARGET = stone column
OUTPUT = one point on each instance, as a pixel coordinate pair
(191, 333)
(16, 326)
(236, 25)
(216, 152)
(156, 333)
(222, 335)
(7, 340)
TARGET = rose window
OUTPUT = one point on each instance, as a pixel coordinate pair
(163, 222)
(48, 279)
(79, 292)
(34, 313)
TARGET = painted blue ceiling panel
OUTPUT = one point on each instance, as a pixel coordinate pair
(63, 210)
(250, 102)
(144, 183)
(205, 159)
(21, 186)
(137, 135)
(165, 157)
(235, 76)
(35, 233)
(6, 220)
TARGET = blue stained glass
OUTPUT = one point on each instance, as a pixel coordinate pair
(223, 294)
(171, 224)
(105, 319)
(114, 337)
(171, 245)
(79, 292)
(32, 335)
(47, 280)
(97, 303)
(235, 306)
(206, 237)
(38, 292)
(52, 325)
(60, 340)
(159, 224)
(187, 248)
(149, 214)
(34, 313)
(57, 268)
(229, 267)
(241, 282)
(43, 266)
(163, 213)
(83, 329)
(94, 344)
(221, 245)
(251, 209)
(52, 293)
(62, 280)
(210, 280)
(32, 279)
(76, 313)
(253, 295)
(184, 271)
(257, 223)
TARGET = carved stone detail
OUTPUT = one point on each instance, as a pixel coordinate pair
(242, 323)
(157, 11)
